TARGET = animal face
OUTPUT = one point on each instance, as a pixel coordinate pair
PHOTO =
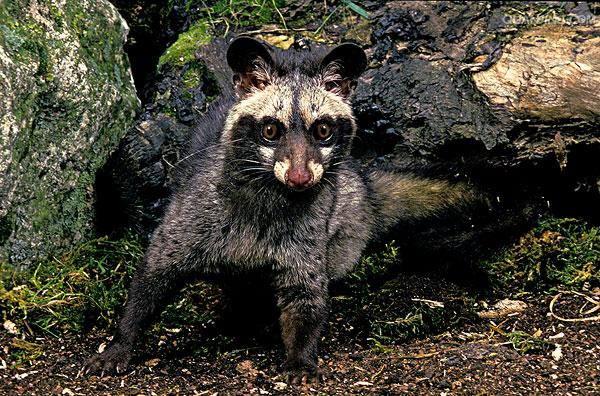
(293, 119)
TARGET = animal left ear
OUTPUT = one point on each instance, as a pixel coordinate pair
(341, 68)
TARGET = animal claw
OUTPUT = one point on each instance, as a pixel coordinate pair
(302, 377)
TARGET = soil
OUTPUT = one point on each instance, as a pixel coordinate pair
(475, 357)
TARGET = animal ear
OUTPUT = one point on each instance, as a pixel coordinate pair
(251, 63)
(341, 67)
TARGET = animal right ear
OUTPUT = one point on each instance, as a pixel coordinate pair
(251, 63)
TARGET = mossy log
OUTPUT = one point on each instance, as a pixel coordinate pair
(550, 73)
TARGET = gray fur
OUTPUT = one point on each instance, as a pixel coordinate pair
(226, 220)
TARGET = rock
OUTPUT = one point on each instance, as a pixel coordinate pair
(436, 92)
(557, 353)
(66, 99)
(279, 386)
(461, 88)
(247, 368)
(152, 362)
(154, 27)
(137, 179)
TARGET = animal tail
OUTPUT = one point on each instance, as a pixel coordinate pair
(406, 197)
(444, 220)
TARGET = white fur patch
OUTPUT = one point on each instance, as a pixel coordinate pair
(316, 102)
(273, 101)
(281, 168)
(326, 151)
(267, 152)
(316, 169)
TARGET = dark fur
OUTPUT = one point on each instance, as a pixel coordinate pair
(227, 218)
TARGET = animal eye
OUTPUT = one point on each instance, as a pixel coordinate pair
(323, 131)
(270, 132)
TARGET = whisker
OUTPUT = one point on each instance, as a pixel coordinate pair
(251, 162)
(340, 162)
(255, 168)
(248, 160)
(210, 146)
(263, 188)
(329, 182)
(255, 179)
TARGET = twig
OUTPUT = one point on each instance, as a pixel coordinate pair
(277, 30)
(420, 356)
(279, 13)
(378, 373)
(587, 319)
(431, 303)
(325, 20)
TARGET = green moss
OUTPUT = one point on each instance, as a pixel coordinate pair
(86, 287)
(393, 321)
(24, 351)
(57, 14)
(240, 13)
(192, 77)
(170, 111)
(559, 252)
(11, 39)
(83, 287)
(372, 270)
(7, 225)
(184, 49)
(53, 119)
(222, 16)
(21, 40)
(525, 343)
(359, 32)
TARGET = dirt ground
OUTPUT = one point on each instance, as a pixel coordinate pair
(479, 357)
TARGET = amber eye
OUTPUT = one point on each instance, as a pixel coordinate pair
(323, 131)
(270, 131)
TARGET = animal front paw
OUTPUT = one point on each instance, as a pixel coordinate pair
(302, 373)
(115, 359)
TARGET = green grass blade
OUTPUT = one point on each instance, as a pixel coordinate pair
(356, 8)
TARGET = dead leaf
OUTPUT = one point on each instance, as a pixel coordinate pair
(11, 327)
(247, 368)
(152, 362)
(503, 308)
